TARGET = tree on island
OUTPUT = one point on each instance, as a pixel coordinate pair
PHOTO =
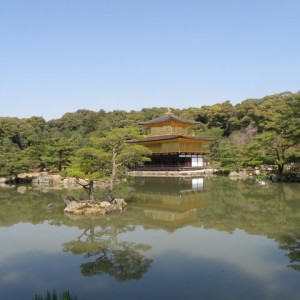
(107, 157)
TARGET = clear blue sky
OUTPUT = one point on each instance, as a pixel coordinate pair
(57, 56)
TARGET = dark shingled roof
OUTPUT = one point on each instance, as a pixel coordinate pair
(167, 137)
(167, 118)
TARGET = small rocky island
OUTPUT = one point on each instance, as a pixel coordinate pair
(89, 207)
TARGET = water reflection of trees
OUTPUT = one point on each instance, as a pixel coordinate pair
(120, 259)
(271, 209)
(31, 205)
(257, 207)
(291, 243)
(250, 207)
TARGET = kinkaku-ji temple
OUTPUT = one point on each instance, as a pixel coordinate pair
(173, 144)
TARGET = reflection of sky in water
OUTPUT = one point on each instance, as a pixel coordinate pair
(252, 255)
(190, 263)
(27, 237)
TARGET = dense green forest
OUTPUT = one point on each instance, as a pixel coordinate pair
(254, 132)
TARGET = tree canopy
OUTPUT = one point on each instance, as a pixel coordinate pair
(88, 143)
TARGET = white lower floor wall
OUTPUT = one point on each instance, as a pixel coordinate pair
(197, 160)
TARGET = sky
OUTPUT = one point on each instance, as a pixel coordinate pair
(58, 56)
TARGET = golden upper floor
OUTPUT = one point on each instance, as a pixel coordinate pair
(168, 124)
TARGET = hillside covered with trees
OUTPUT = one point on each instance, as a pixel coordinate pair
(254, 132)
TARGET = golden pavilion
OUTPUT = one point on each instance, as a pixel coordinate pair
(173, 144)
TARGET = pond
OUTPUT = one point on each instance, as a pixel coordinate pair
(196, 238)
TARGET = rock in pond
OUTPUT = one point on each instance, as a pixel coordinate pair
(89, 207)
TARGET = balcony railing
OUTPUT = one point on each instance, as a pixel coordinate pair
(166, 168)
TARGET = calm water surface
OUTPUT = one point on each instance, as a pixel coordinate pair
(198, 238)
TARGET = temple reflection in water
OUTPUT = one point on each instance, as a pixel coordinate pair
(171, 202)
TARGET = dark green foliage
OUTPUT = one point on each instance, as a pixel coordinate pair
(57, 153)
(217, 115)
(254, 132)
(82, 120)
(266, 133)
(13, 160)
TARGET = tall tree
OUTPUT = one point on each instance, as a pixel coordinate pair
(279, 141)
(108, 157)
(58, 152)
(13, 160)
